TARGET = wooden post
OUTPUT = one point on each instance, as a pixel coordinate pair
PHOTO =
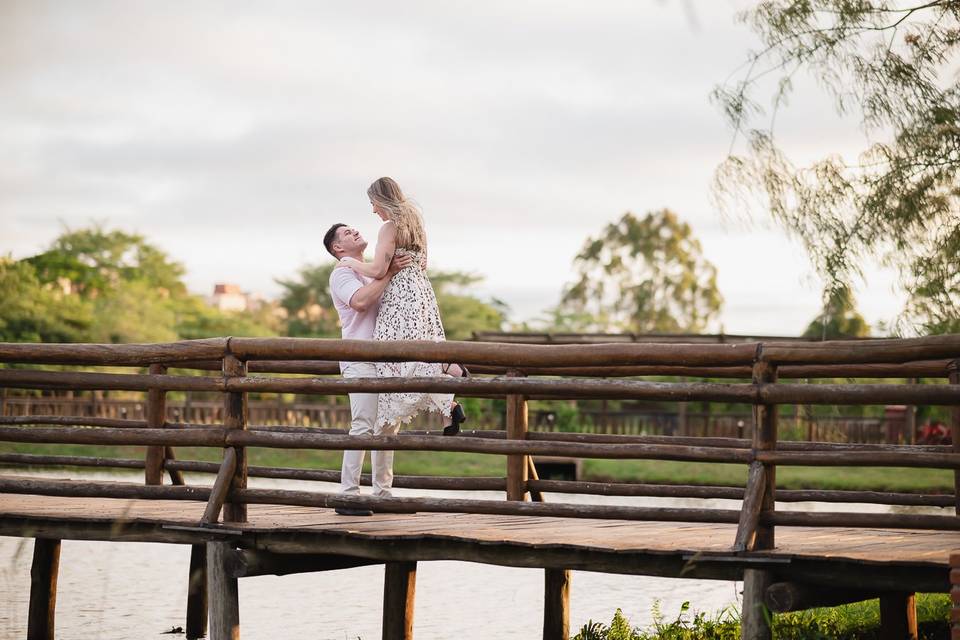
(197, 593)
(235, 417)
(910, 418)
(399, 587)
(516, 429)
(221, 487)
(898, 616)
(750, 511)
(755, 618)
(954, 369)
(765, 439)
(156, 418)
(176, 475)
(43, 589)
(535, 494)
(3, 401)
(755, 621)
(222, 589)
(556, 604)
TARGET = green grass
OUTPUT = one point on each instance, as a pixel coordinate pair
(442, 463)
(857, 621)
(872, 478)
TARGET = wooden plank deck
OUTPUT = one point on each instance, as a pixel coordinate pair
(899, 558)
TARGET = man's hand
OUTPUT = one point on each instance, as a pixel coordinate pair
(346, 262)
(398, 263)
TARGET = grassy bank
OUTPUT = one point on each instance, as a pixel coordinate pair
(858, 621)
(653, 471)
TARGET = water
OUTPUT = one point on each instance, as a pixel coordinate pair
(115, 591)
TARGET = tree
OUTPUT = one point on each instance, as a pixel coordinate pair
(839, 318)
(97, 285)
(307, 301)
(94, 261)
(463, 313)
(894, 67)
(643, 275)
(194, 318)
(31, 312)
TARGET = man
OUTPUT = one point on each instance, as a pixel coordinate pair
(357, 300)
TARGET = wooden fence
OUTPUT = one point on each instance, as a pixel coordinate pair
(889, 429)
(514, 372)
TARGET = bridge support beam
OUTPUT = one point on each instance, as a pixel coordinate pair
(898, 616)
(756, 618)
(197, 593)
(556, 604)
(222, 591)
(399, 588)
(43, 589)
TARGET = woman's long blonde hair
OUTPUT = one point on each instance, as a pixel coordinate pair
(386, 193)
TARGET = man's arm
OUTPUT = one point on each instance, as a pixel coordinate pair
(367, 295)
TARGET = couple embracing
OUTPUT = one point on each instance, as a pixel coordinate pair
(389, 298)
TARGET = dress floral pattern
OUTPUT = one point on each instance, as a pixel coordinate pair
(408, 311)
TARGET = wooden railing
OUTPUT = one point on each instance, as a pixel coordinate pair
(516, 372)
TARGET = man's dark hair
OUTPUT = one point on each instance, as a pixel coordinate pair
(330, 236)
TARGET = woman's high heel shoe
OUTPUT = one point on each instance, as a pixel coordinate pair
(464, 373)
(456, 417)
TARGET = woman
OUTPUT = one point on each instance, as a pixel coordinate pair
(408, 307)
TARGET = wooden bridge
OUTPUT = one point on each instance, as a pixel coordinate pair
(788, 559)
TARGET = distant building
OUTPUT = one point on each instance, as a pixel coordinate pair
(229, 297)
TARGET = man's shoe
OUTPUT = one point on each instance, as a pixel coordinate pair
(348, 511)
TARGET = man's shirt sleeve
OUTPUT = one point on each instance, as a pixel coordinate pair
(343, 284)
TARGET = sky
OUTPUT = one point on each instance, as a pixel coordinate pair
(232, 134)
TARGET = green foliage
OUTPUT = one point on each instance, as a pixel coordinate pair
(462, 312)
(898, 201)
(725, 625)
(858, 621)
(94, 285)
(32, 312)
(194, 319)
(642, 275)
(94, 261)
(839, 318)
(310, 310)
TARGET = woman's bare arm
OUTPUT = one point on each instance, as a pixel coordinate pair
(382, 255)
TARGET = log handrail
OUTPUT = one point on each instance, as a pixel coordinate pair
(756, 392)
(487, 353)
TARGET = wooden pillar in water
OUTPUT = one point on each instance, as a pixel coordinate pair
(197, 593)
(196, 623)
(556, 604)
(222, 593)
(399, 590)
(156, 418)
(898, 616)
(556, 593)
(755, 619)
(43, 589)
(222, 590)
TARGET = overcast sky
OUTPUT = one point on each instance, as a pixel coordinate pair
(233, 134)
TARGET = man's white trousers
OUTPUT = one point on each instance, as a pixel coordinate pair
(363, 410)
